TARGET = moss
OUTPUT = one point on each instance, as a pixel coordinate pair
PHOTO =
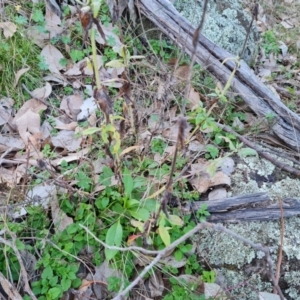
(245, 288)
(243, 267)
(226, 24)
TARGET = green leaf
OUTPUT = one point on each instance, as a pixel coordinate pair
(47, 273)
(72, 228)
(38, 16)
(175, 220)
(91, 130)
(178, 255)
(76, 55)
(102, 203)
(53, 281)
(65, 284)
(186, 248)
(54, 293)
(76, 283)
(244, 152)
(128, 182)
(96, 7)
(150, 204)
(20, 20)
(140, 214)
(164, 235)
(113, 238)
(132, 202)
(84, 181)
(117, 63)
(105, 176)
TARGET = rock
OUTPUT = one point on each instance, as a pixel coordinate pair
(226, 24)
(242, 269)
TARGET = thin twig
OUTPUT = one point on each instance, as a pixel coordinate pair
(193, 57)
(4, 154)
(281, 244)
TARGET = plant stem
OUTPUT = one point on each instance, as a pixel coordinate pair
(95, 62)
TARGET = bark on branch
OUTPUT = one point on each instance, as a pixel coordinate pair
(257, 96)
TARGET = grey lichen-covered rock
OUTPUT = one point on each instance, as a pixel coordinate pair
(226, 24)
(244, 269)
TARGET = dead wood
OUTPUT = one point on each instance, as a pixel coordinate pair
(252, 207)
(257, 96)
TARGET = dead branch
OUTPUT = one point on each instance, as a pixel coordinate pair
(257, 96)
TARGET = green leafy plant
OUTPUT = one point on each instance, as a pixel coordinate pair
(209, 276)
(163, 49)
(158, 145)
(270, 42)
(182, 291)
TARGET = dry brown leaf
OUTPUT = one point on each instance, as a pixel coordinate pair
(35, 143)
(39, 38)
(53, 23)
(52, 57)
(6, 176)
(203, 182)
(108, 31)
(13, 175)
(70, 157)
(10, 141)
(84, 67)
(42, 93)
(33, 105)
(71, 126)
(200, 167)
(28, 123)
(194, 99)
(182, 72)
(220, 178)
(19, 74)
(196, 146)
(218, 193)
(73, 71)
(56, 78)
(9, 28)
(286, 24)
(161, 89)
(5, 111)
(66, 139)
(72, 105)
(60, 220)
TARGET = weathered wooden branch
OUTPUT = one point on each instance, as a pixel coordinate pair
(259, 98)
(253, 207)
